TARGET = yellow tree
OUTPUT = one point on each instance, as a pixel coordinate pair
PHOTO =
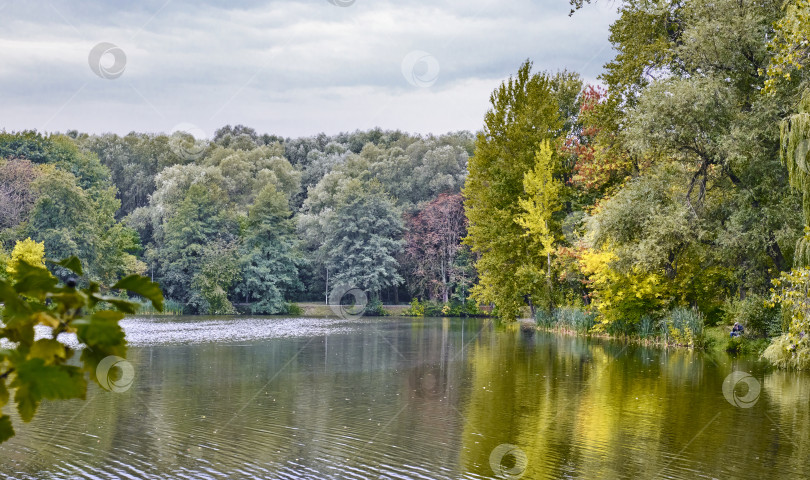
(790, 43)
(543, 199)
(29, 251)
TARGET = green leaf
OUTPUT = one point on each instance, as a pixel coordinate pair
(48, 349)
(101, 330)
(36, 381)
(3, 394)
(27, 402)
(11, 299)
(143, 287)
(34, 281)
(72, 263)
(6, 430)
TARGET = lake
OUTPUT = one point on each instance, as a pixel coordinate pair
(398, 398)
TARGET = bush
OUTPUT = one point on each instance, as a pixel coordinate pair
(375, 308)
(416, 309)
(294, 309)
(545, 318)
(453, 308)
(758, 319)
(784, 352)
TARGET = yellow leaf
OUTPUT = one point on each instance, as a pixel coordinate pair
(48, 350)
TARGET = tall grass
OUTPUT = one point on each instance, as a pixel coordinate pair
(566, 318)
(685, 326)
(170, 307)
(646, 327)
(682, 325)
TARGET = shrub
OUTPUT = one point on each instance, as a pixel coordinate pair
(792, 291)
(375, 308)
(170, 307)
(759, 319)
(416, 309)
(294, 309)
(784, 352)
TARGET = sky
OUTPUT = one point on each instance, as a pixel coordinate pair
(289, 68)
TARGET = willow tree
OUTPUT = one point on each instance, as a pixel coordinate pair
(795, 154)
(524, 114)
(791, 45)
(792, 289)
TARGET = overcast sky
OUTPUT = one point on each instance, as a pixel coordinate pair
(290, 68)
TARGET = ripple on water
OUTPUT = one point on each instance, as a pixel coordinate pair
(150, 331)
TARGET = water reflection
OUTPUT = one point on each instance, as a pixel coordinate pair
(433, 398)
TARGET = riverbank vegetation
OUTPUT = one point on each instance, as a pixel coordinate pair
(668, 201)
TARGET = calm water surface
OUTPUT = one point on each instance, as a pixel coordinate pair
(396, 398)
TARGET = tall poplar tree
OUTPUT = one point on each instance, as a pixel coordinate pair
(524, 114)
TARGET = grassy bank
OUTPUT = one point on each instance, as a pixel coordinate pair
(681, 327)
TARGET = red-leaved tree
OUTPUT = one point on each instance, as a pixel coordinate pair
(432, 243)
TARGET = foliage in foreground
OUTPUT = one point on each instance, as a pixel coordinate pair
(791, 290)
(37, 369)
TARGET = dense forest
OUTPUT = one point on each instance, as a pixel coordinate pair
(668, 197)
(245, 219)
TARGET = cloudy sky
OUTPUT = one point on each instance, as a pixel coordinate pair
(290, 68)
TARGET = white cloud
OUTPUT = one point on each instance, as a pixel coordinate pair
(291, 68)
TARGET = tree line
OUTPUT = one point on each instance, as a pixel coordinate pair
(679, 182)
(244, 219)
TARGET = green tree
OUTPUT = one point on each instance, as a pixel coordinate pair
(524, 114)
(73, 221)
(202, 218)
(218, 270)
(684, 90)
(269, 254)
(363, 237)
